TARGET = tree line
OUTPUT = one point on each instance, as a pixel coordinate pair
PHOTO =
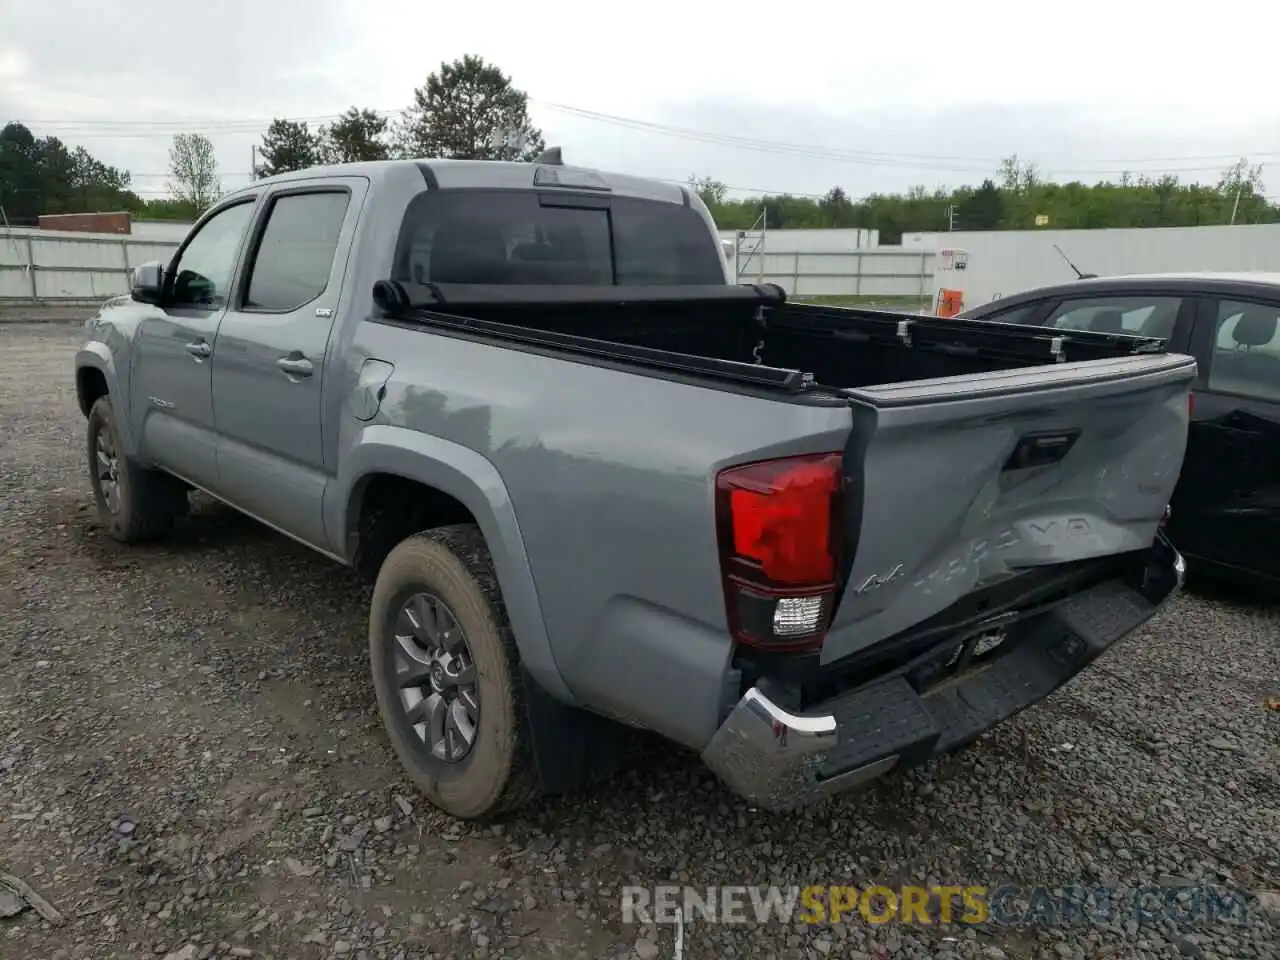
(467, 109)
(1017, 199)
(470, 109)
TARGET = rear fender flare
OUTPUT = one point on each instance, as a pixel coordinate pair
(472, 480)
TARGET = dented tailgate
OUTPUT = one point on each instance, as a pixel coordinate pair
(956, 483)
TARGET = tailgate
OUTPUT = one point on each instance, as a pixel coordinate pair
(955, 483)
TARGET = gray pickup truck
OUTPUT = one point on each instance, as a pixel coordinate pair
(600, 488)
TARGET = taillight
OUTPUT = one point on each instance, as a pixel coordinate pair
(779, 531)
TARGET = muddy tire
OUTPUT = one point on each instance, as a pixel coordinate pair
(444, 666)
(134, 504)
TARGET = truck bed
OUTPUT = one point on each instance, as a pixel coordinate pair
(975, 452)
(752, 333)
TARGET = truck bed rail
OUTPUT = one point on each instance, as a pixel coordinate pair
(790, 381)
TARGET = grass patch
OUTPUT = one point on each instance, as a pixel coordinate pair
(873, 302)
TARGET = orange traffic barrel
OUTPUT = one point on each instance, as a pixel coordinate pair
(950, 302)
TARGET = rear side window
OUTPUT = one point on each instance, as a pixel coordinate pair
(507, 237)
(1246, 350)
(1133, 316)
(295, 255)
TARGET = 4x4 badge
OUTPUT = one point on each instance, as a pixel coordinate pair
(875, 581)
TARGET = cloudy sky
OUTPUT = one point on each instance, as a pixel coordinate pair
(872, 98)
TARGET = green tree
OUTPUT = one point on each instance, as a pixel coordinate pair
(1013, 198)
(1243, 183)
(837, 208)
(983, 209)
(167, 208)
(712, 192)
(469, 110)
(193, 171)
(288, 145)
(355, 136)
(41, 175)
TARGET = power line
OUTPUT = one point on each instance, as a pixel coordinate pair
(122, 129)
(860, 157)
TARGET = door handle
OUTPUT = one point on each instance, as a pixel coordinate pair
(200, 350)
(295, 366)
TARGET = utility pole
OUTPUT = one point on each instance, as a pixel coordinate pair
(951, 217)
(764, 230)
(253, 162)
(1241, 167)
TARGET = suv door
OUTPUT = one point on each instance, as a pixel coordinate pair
(269, 367)
(172, 402)
(1226, 508)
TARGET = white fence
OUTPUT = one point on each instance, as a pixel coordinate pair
(44, 266)
(807, 239)
(878, 273)
(1003, 262)
(47, 266)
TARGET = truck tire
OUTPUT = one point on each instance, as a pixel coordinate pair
(134, 504)
(444, 666)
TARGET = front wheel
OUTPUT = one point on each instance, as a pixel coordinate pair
(134, 504)
(445, 672)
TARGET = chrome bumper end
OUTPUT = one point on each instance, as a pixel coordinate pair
(1180, 572)
(772, 758)
(779, 760)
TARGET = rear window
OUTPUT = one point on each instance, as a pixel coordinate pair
(510, 237)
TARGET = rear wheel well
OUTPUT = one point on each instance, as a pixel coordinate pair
(91, 385)
(391, 508)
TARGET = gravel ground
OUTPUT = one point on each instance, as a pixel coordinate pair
(191, 766)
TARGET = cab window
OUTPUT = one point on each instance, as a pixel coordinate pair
(205, 264)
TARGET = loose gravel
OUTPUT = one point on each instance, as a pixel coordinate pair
(191, 767)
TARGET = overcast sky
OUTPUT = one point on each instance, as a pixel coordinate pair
(879, 96)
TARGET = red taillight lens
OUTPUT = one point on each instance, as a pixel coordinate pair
(779, 533)
(781, 516)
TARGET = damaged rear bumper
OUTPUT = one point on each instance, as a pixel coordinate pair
(778, 760)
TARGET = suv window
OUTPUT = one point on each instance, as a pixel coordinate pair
(1135, 316)
(509, 237)
(295, 255)
(205, 265)
(1246, 350)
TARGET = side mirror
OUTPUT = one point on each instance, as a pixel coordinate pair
(147, 285)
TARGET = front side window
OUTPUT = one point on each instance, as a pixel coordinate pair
(206, 263)
(509, 237)
(1246, 350)
(295, 256)
(1131, 316)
